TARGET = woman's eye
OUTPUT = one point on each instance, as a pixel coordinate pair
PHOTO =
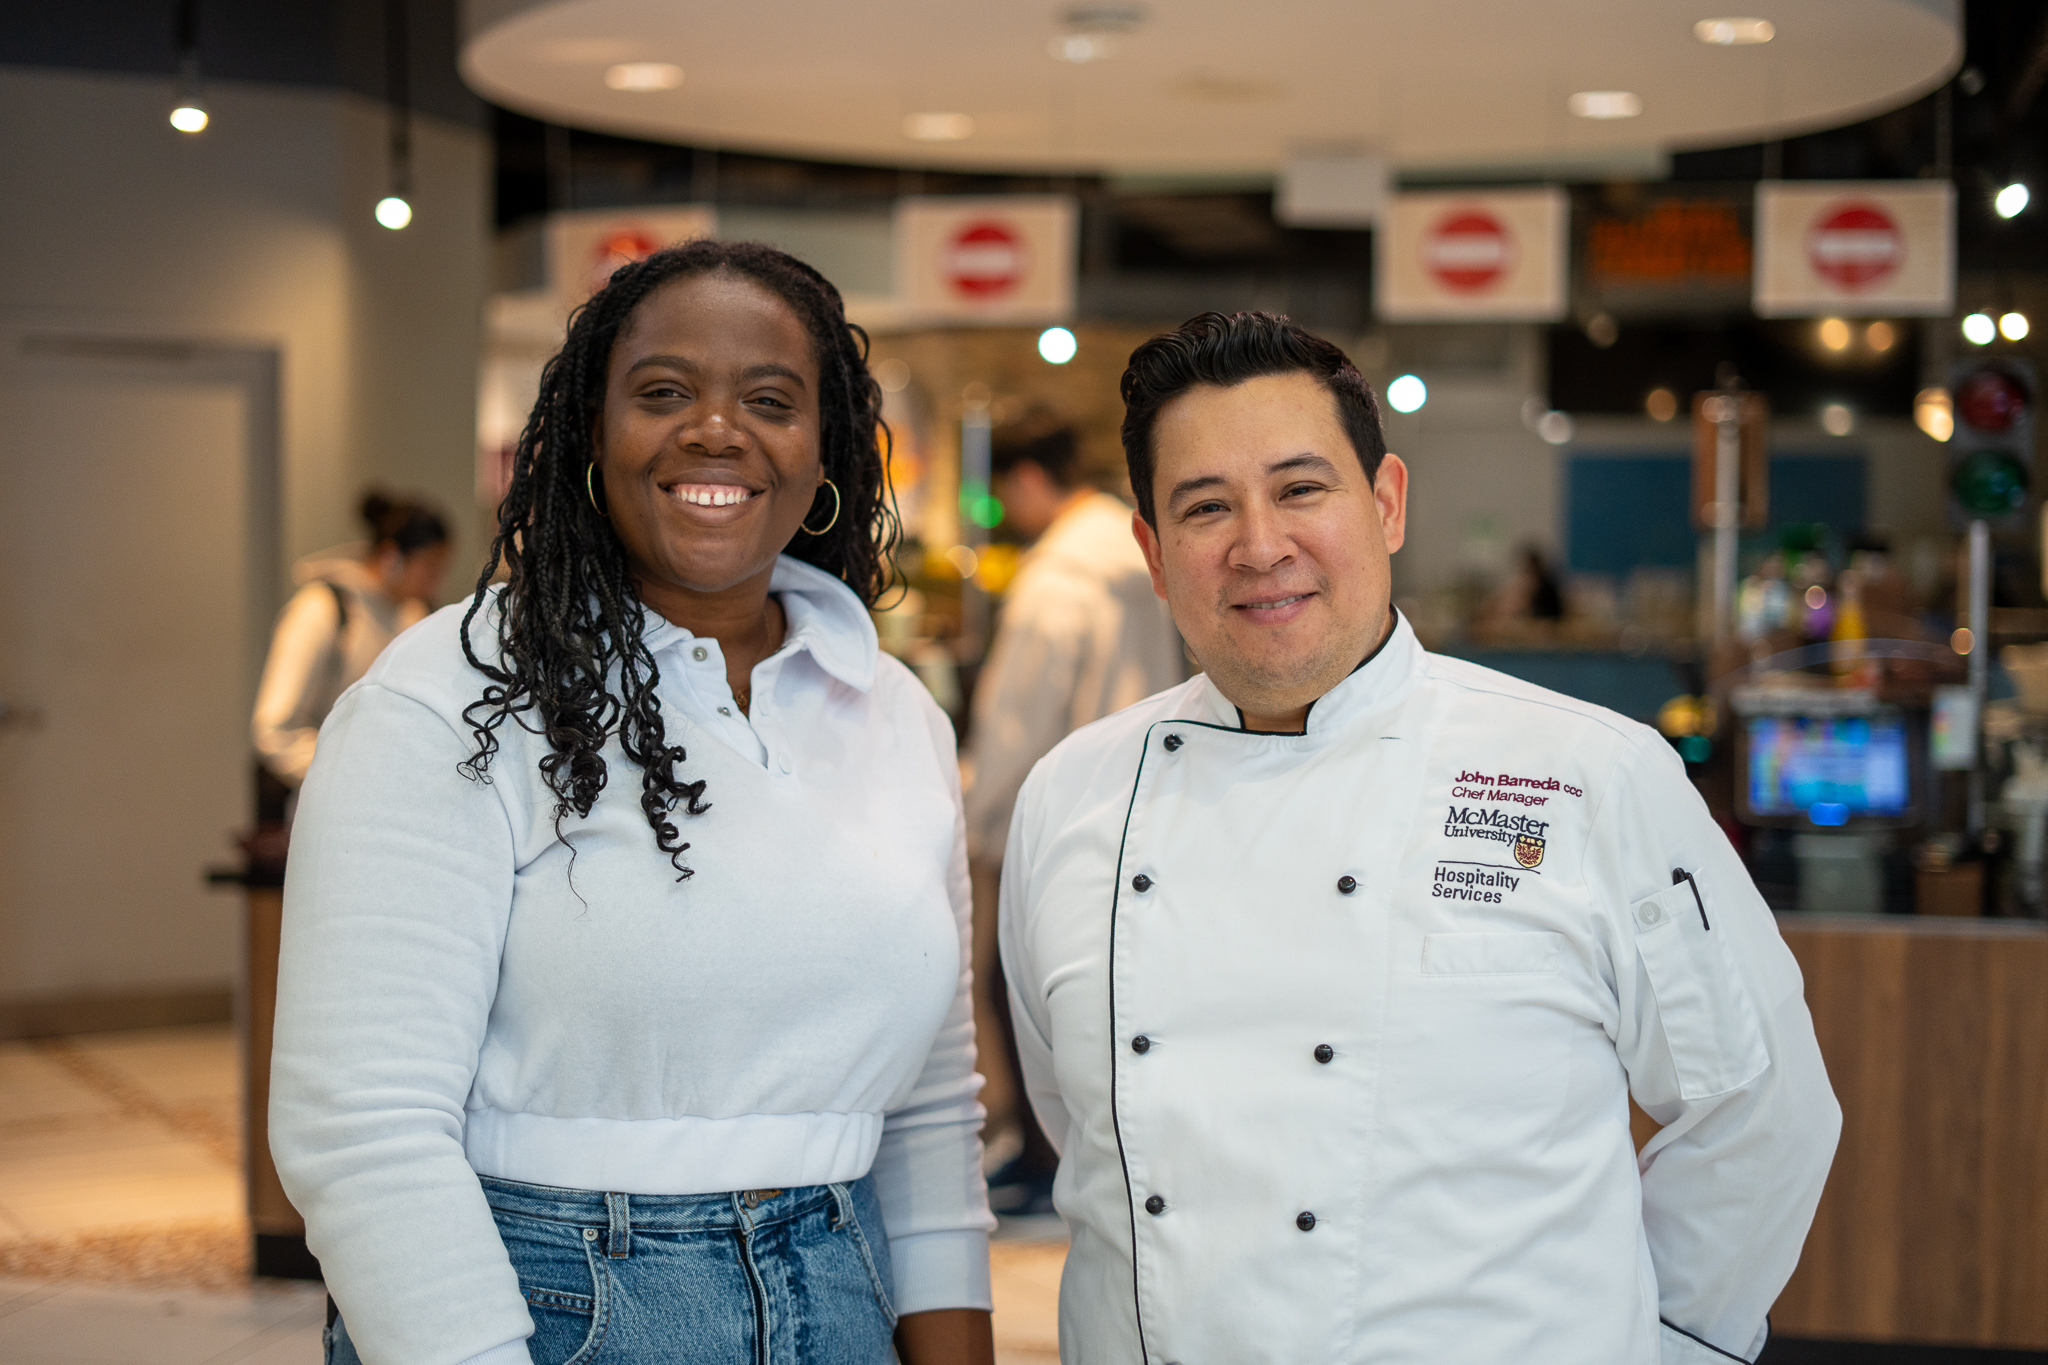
(663, 391)
(768, 401)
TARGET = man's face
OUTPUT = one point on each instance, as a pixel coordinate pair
(1272, 548)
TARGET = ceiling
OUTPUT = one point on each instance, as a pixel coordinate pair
(1207, 86)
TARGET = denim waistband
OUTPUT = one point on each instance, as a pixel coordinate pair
(658, 1212)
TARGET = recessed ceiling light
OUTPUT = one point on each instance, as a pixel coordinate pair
(2011, 201)
(938, 127)
(641, 78)
(1605, 104)
(1081, 48)
(1734, 32)
(189, 117)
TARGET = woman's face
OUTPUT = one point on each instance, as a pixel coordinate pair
(707, 443)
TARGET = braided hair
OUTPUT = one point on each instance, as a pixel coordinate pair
(571, 663)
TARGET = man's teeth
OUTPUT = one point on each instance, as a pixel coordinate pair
(1275, 606)
(714, 495)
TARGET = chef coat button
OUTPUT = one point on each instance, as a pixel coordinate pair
(1651, 913)
(700, 654)
(1141, 883)
(1324, 1053)
(1306, 1222)
(1173, 742)
(1347, 884)
(1155, 1206)
(725, 710)
(1141, 1045)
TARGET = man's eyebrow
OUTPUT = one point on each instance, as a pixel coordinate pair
(1187, 486)
(1306, 460)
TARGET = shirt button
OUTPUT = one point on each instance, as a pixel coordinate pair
(1306, 1222)
(590, 1234)
(1173, 742)
(1347, 884)
(1141, 883)
(725, 710)
(1154, 1206)
(1141, 1045)
(1652, 913)
(1324, 1053)
(700, 654)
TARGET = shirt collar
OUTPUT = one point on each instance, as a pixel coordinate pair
(823, 615)
(1383, 677)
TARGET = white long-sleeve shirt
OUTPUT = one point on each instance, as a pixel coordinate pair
(459, 995)
(316, 655)
(1081, 635)
(1336, 1033)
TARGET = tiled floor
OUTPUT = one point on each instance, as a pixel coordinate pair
(121, 1232)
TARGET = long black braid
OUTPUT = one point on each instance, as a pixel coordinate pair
(570, 616)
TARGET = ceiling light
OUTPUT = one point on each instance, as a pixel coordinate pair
(1605, 104)
(1555, 427)
(1057, 345)
(1662, 405)
(938, 127)
(1934, 412)
(393, 212)
(1979, 329)
(189, 117)
(1407, 394)
(2013, 326)
(641, 78)
(2011, 201)
(1081, 48)
(1880, 336)
(1834, 334)
(1734, 32)
(1837, 419)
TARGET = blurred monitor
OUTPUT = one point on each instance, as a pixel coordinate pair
(1827, 770)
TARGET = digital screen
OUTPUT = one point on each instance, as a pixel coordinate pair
(1828, 768)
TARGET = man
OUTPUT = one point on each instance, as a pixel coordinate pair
(1334, 968)
(1081, 636)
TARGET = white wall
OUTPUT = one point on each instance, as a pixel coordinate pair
(259, 232)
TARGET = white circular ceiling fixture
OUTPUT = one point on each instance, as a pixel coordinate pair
(1207, 86)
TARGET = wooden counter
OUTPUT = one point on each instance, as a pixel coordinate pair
(1934, 1226)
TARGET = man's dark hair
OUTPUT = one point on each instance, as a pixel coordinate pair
(1041, 439)
(1227, 350)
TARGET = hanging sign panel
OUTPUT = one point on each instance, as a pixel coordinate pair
(585, 246)
(1496, 256)
(1878, 248)
(999, 259)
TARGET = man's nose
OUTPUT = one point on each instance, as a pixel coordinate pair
(1262, 543)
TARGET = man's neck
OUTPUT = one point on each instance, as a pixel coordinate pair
(1294, 722)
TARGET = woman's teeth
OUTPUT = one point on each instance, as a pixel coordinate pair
(713, 495)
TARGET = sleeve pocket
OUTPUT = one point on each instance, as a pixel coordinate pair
(1491, 954)
(1717, 1043)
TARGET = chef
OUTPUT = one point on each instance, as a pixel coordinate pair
(1335, 967)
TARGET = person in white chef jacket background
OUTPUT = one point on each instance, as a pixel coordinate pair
(1334, 968)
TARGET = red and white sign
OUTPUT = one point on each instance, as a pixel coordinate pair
(1884, 248)
(1473, 256)
(584, 247)
(1006, 259)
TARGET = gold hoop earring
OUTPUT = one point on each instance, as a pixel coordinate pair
(589, 473)
(835, 513)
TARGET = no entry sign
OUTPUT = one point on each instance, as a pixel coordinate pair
(986, 260)
(996, 259)
(1871, 248)
(1488, 255)
(1468, 249)
(1856, 245)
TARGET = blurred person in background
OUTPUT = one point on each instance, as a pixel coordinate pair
(352, 601)
(1081, 635)
(623, 1000)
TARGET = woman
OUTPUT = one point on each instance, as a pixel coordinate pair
(353, 601)
(624, 1001)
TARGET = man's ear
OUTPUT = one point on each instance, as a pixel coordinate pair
(1148, 541)
(1390, 493)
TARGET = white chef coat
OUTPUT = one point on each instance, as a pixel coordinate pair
(1082, 635)
(1336, 1032)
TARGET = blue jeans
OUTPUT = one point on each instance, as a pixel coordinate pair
(764, 1277)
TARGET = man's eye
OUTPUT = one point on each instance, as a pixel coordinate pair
(1295, 490)
(1204, 508)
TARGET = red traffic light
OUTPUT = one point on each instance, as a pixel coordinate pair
(1991, 400)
